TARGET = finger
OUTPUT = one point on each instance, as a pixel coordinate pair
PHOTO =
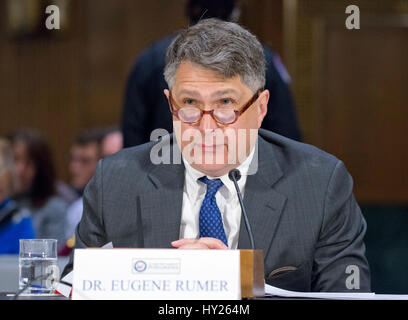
(194, 246)
(210, 243)
(213, 243)
(182, 242)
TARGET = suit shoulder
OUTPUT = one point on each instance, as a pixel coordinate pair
(296, 153)
(137, 157)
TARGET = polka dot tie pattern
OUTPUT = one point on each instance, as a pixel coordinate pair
(210, 216)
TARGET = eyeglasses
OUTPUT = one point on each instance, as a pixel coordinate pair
(221, 115)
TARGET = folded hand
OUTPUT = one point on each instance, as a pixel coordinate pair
(201, 243)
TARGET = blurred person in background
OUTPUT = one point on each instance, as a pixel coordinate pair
(15, 222)
(89, 146)
(85, 154)
(37, 187)
(144, 110)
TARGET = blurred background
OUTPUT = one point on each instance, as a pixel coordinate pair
(349, 88)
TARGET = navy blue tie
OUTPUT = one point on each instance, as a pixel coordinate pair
(210, 216)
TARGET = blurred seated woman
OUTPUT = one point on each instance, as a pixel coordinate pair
(37, 184)
(15, 223)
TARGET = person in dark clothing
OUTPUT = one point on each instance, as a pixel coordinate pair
(144, 108)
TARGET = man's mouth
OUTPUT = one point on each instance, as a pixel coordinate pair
(210, 147)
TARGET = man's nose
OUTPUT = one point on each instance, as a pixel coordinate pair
(207, 122)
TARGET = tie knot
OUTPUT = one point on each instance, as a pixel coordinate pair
(212, 185)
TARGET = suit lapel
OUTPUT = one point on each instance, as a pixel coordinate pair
(263, 204)
(161, 215)
(161, 207)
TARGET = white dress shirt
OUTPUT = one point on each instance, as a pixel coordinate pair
(227, 200)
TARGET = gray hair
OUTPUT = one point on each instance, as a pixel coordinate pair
(224, 47)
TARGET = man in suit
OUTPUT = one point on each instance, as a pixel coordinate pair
(299, 199)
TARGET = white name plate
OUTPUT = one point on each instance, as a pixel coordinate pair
(156, 274)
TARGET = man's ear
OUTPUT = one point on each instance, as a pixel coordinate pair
(262, 106)
(166, 93)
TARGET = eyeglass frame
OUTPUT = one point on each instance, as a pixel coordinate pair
(238, 113)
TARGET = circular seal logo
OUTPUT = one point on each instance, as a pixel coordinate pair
(140, 266)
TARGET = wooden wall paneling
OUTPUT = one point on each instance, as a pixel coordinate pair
(264, 18)
(117, 33)
(365, 108)
(350, 89)
(39, 86)
(60, 85)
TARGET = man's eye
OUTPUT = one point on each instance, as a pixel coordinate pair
(189, 102)
(226, 101)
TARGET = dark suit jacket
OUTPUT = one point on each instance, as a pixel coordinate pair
(300, 206)
(146, 108)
